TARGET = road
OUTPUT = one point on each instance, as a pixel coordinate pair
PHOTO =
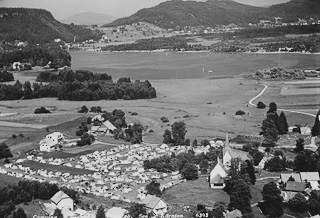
(285, 110)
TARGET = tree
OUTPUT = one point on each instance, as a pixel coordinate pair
(272, 107)
(298, 203)
(5, 151)
(195, 143)
(269, 132)
(299, 145)
(275, 164)
(261, 105)
(248, 168)
(57, 213)
(19, 213)
(100, 212)
(190, 171)
(167, 139)
(27, 91)
(283, 124)
(273, 200)
(240, 197)
(316, 127)
(136, 210)
(178, 131)
(305, 162)
(84, 109)
(153, 188)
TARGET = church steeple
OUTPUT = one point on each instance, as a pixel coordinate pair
(226, 144)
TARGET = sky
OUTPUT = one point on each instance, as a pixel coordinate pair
(62, 9)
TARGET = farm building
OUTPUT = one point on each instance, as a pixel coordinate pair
(51, 140)
(106, 127)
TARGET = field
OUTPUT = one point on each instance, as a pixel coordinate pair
(193, 193)
(7, 180)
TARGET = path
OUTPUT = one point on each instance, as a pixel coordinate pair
(291, 111)
(22, 125)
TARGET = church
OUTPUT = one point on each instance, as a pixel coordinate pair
(219, 171)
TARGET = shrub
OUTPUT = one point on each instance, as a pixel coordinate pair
(83, 109)
(41, 110)
(134, 113)
(261, 105)
(240, 112)
(151, 131)
(14, 136)
(21, 135)
(164, 119)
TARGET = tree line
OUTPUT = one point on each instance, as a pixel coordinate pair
(73, 90)
(36, 55)
(6, 76)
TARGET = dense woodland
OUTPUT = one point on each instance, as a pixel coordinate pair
(65, 86)
(36, 55)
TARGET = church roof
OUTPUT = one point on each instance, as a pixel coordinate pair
(235, 153)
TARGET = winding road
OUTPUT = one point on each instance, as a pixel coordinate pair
(291, 111)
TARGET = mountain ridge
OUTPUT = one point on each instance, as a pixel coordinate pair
(39, 26)
(176, 14)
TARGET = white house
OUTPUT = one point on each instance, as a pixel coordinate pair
(51, 140)
(62, 201)
(155, 205)
(84, 214)
(116, 212)
(217, 176)
(263, 162)
(312, 178)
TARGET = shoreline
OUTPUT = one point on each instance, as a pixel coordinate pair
(202, 51)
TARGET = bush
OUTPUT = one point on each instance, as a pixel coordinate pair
(14, 136)
(134, 113)
(261, 105)
(83, 109)
(21, 135)
(240, 112)
(41, 110)
(164, 119)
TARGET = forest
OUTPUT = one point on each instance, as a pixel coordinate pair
(6, 76)
(89, 87)
(36, 55)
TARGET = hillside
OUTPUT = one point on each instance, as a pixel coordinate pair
(89, 18)
(294, 9)
(178, 14)
(39, 26)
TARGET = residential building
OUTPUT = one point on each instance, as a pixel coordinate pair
(156, 206)
(62, 201)
(116, 212)
(50, 142)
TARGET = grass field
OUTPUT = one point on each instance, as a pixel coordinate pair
(193, 193)
(6, 180)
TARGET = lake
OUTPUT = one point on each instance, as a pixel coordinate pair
(185, 65)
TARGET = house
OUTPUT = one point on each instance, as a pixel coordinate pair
(295, 186)
(116, 212)
(50, 142)
(62, 201)
(155, 205)
(233, 214)
(287, 195)
(305, 130)
(263, 162)
(84, 214)
(107, 127)
(286, 176)
(217, 175)
(229, 153)
(312, 178)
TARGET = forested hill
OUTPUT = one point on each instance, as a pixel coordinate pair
(293, 10)
(39, 26)
(178, 13)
